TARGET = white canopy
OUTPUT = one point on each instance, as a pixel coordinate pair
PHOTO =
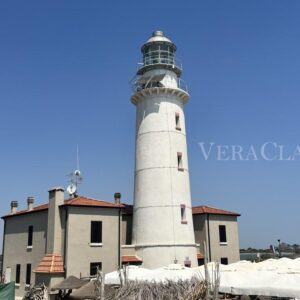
(273, 277)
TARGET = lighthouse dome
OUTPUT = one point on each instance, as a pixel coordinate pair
(158, 36)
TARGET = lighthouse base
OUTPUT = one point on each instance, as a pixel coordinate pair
(155, 256)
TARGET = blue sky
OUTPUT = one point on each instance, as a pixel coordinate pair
(65, 68)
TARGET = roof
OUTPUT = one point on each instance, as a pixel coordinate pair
(84, 201)
(127, 208)
(77, 201)
(158, 36)
(130, 258)
(203, 209)
(51, 263)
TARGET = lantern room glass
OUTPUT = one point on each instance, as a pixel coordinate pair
(158, 53)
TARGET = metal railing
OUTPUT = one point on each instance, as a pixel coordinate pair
(137, 86)
(182, 85)
(160, 60)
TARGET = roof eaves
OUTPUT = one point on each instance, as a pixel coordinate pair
(25, 212)
(203, 209)
(89, 205)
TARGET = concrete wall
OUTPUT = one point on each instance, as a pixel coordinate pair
(160, 188)
(200, 230)
(128, 250)
(126, 225)
(230, 249)
(15, 244)
(79, 252)
(55, 220)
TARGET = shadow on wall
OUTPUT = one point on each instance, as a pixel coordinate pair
(153, 105)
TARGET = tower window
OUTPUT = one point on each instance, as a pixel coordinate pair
(93, 268)
(222, 234)
(96, 232)
(18, 273)
(179, 161)
(30, 234)
(177, 121)
(183, 214)
(224, 260)
(187, 263)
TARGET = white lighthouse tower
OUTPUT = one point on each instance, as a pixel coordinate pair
(162, 217)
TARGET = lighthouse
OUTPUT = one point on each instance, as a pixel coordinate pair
(163, 231)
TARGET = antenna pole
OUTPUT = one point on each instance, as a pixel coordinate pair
(77, 157)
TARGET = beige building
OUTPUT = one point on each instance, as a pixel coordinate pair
(49, 242)
(219, 230)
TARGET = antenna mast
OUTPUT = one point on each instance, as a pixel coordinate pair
(75, 178)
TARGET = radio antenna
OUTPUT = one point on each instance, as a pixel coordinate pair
(78, 158)
(75, 177)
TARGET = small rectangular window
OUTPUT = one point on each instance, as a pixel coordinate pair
(187, 263)
(93, 268)
(177, 121)
(18, 273)
(183, 214)
(96, 232)
(222, 233)
(30, 235)
(28, 274)
(224, 260)
(179, 161)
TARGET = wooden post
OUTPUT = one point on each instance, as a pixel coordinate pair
(207, 279)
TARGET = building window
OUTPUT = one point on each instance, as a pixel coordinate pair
(18, 273)
(28, 274)
(187, 263)
(222, 233)
(177, 121)
(30, 235)
(183, 214)
(96, 232)
(224, 260)
(200, 261)
(179, 161)
(93, 268)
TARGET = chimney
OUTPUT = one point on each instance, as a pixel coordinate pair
(30, 201)
(54, 228)
(117, 197)
(13, 207)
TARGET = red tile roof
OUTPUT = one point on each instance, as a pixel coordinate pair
(77, 201)
(25, 211)
(128, 209)
(203, 209)
(51, 263)
(84, 201)
(130, 258)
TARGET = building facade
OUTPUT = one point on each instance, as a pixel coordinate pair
(216, 229)
(49, 242)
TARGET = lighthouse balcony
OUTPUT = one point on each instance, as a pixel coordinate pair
(156, 81)
(157, 61)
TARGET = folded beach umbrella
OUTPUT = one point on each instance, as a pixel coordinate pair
(70, 283)
(88, 291)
